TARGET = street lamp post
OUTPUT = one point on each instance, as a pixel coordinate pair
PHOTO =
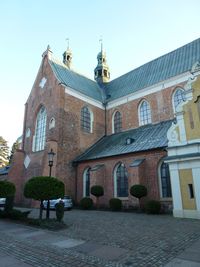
(51, 155)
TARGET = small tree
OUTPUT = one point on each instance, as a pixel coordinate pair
(44, 188)
(138, 191)
(7, 190)
(97, 191)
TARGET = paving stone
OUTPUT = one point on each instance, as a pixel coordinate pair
(68, 243)
(108, 252)
(87, 247)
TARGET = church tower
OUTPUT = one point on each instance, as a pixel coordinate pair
(67, 57)
(101, 72)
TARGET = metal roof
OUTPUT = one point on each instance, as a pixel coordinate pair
(167, 66)
(146, 137)
(75, 80)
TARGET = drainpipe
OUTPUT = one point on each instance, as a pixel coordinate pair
(105, 117)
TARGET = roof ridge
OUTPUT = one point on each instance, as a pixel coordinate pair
(155, 59)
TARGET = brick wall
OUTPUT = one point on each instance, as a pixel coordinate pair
(146, 173)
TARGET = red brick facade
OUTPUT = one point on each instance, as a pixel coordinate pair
(68, 140)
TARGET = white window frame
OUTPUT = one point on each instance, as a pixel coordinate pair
(91, 119)
(141, 120)
(160, 182)
(84, 182)
(39, 139)
(113, 120)
(115, 181)
(173, 97)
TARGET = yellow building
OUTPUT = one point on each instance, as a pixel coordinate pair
(184, 151)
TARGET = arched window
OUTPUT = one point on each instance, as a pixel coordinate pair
(165, 184)
(86, 120)
(120, 181)
(117, 122)
(144, 113)
(178, 97)
(40, 130)
(86, 182)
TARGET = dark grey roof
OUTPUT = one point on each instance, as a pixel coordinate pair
(76, 81)
(169, 65)
(4, 170)
(146, 137)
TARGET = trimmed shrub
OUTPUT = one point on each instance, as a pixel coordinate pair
(44, 188)
(86, 203)
(60, 209)
(138, 191)
(15, 214)
(97, 190)
(152, 207)
(115, 204)
(7, 189)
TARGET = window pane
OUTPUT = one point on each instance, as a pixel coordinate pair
(87, 183)
(165, 180)
(179, 97)
(122, 181)
(145, 113)
(117, 122)
(40, 131)
(85, 119)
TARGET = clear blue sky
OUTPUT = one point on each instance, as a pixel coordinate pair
(134, 32)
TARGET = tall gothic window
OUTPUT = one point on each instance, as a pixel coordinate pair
(144, 113)
(117, 122)
(40, 130)
(86, 183)
(178, 97)
(121, 181)
(86, 120)
(165, 181)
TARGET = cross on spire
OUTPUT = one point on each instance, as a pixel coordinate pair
(101, 41)
(67, 39)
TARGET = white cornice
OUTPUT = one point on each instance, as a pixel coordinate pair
(149, 90)
(83, 97)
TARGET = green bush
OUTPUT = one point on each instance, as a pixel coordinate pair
(9, 204)
(7, 189)
(152, 207)
(60, 209)
(115, 204)
(97, 190)
(50, 224)
(138, 191)
(44, 188)
(86, 203)
(14, 214)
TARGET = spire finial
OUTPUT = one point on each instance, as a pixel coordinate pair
(67, 39)
(101, 41)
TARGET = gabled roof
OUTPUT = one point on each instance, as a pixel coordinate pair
(151, 136)
(167, 66)
(76, 81)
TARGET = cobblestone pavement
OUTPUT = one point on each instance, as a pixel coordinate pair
(106, 239)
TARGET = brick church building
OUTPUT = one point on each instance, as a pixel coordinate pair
(110, 133)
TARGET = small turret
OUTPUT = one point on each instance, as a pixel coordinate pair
(101, 72)
(67, 56)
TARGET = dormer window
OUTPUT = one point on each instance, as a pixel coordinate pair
(129, 140)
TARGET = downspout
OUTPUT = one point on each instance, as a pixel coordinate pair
(105, 117)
